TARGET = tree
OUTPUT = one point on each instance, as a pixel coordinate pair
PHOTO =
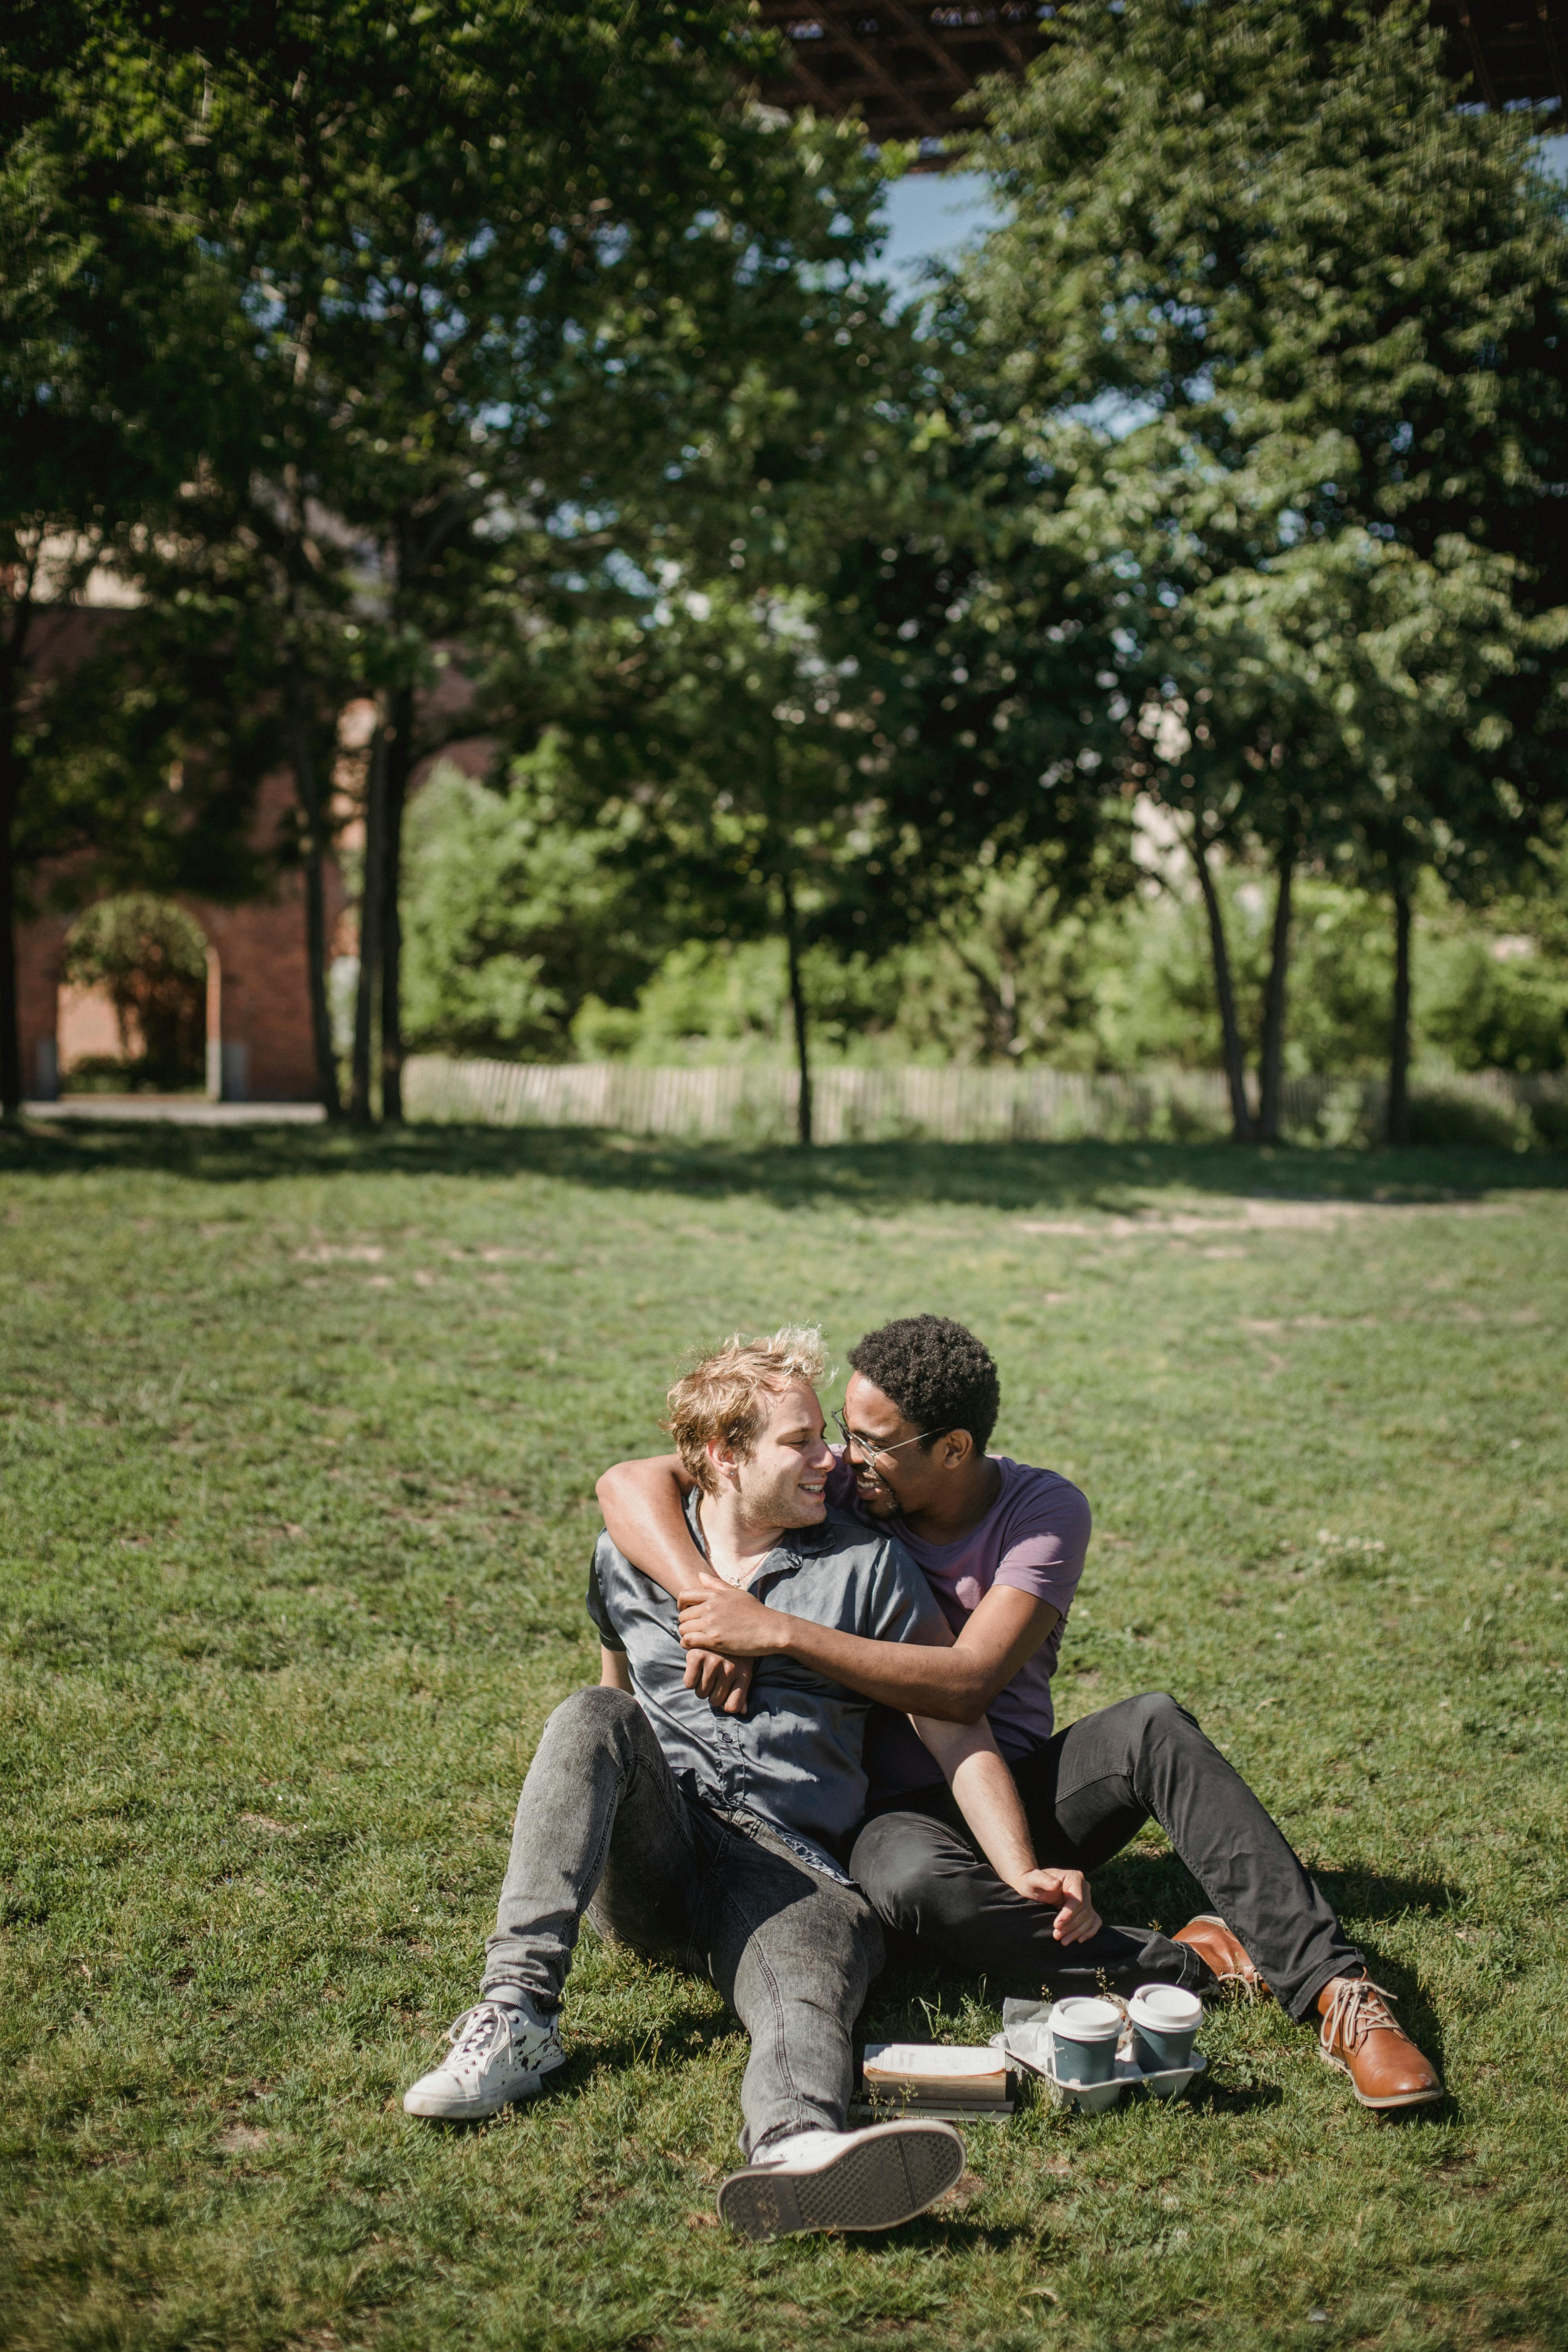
(497, 264)
(709, 700)
(515, 915)
(1266, 241)
(102, 293)
(1445, 648)
(847, 735)
(720, 757)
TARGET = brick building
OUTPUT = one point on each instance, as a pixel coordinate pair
(259, 1043)
(259, 1046)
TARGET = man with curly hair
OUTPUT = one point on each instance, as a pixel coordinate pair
(1001, 1545)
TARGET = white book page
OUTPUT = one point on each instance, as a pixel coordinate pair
(932, 2062)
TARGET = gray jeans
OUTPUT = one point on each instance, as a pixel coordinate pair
(601, 1828)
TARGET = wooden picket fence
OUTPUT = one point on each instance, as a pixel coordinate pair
(758, 1105)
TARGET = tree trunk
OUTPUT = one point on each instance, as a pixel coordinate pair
(10, 1033)
(998, 1000)
(307, 788)
(797, 1006)
(1399, 1033)
(1225, 993)
(1271, 1060)
(399, 766)
(371, 902)
(11, 1082)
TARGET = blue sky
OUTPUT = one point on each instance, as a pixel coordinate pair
(933, 213)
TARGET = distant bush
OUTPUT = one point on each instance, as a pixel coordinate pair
(1497, 1015)
(1440, 1118)
(510, 919)
(528, 937)
(1549, 1121)
(113, 1073)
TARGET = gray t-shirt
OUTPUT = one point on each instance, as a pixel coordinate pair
(793, 1760)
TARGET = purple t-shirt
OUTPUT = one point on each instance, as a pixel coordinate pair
(1034, 1538)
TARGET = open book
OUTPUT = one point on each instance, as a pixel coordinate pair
(917, 2075)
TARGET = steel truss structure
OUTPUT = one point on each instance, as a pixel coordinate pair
(901, 67)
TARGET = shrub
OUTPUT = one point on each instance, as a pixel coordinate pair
(1441, 1117)
(1550, 1121)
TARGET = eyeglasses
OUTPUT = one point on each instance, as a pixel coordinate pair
(869, 1447)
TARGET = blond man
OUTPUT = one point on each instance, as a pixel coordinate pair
(719, 1842)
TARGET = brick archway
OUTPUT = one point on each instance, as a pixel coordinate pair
(259, 1042)
(87, 1025)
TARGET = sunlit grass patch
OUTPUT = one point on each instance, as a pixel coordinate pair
(293, 1542)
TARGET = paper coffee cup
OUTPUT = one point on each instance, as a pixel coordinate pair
(1164, 2021)
(1084, 2034)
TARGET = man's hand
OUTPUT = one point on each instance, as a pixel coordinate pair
(1077, 1919)
(724, 1683)
(720, 1617)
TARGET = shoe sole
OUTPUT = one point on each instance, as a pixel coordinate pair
(1381, 2106)
(884, 2178)
(474, 2111)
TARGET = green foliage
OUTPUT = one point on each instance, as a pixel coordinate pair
(1274, 337)
(292, 1547)
(1450, 1121)
(1549, 1121)
(720, 1003)
(411, 308)
(113, 345)
(416, 349)
(512, 917)
(151, 959)
(531, 939)
(1499, 1013)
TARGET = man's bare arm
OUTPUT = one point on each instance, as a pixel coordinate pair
(643, 1502)
(988, 1798)
(616, 1675)
(957, 1683)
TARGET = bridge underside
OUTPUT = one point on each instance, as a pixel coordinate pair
(902, 66)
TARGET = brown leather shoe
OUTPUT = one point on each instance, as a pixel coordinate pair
(1361, 2038)
(1226, 1955)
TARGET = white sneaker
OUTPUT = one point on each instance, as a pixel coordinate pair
(497, 2056)
(870, 2180)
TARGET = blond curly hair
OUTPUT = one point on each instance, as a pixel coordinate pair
(722, 1397)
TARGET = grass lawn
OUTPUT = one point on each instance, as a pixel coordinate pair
(298, 1437)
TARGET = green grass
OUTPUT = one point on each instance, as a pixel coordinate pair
(299, 1438)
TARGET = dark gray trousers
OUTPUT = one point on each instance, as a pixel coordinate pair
(603, 1829)
(1086, 1793)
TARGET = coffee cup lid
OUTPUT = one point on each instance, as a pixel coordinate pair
(1083, 2018)
(1165, 2009)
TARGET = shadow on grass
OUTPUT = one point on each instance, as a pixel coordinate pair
(1358, 1893)
(1156, 1890)
(1374, 1895)
(681, 2035)
(674, 2041)
(878, 1177)
(952, 2234)
(1214, 2098)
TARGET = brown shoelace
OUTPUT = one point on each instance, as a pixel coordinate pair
(1357, 2008)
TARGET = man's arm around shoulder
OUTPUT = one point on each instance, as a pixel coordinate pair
(644, 1505)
